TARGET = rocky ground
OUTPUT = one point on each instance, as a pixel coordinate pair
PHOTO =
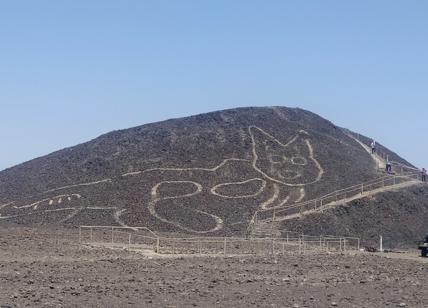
(46, 268)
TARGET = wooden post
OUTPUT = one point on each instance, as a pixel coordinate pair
(283, 248)
(90, 234)
(112, 235)
(157, 245)
(287, 237)
(224, 246)
(129, 240)
(80, 235)
(200, 247)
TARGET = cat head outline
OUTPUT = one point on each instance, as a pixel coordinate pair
(291, 164)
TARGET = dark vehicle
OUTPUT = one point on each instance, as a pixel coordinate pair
(423, 247)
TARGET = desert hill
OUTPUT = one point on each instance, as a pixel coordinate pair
(204, 174)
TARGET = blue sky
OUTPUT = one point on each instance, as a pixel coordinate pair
(72, 70)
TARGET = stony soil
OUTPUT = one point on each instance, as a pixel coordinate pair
(45, 268)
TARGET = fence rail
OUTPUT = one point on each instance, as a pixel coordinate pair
(273, 213)
(293, 242)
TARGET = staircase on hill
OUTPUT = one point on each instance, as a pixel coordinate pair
(380, 158)
(266, 223)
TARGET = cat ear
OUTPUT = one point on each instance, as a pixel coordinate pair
(265, 145)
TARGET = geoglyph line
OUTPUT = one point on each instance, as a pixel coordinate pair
(258, 192)
(50, 200)
(256, 157)
(79, 185)
(302, 195)
(155, 188)
(185, 169)
(156, 198)
(7, 204)
(272, 199)
(285, 201)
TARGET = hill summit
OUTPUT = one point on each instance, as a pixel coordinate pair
(204, 174)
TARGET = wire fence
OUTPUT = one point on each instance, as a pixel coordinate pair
(141, 239)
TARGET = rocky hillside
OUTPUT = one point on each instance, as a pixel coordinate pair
(204, 174)
(399, 216)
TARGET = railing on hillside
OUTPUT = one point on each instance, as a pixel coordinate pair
(274, 213)
(400, 168)
(129, 238)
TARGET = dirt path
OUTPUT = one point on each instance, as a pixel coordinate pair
(380, 162)
(356, 197)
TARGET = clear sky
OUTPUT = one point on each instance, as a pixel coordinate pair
(72, 70)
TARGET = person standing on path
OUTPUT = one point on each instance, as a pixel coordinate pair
(373, 146)
(388, 166)
(424, 175)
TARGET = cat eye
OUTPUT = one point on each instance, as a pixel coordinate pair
(277, 159)
(301, 161)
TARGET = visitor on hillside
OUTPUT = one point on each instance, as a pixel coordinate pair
(388, 166)
(373, 146)
(424, 175)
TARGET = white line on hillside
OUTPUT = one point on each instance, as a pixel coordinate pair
(256, 193)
